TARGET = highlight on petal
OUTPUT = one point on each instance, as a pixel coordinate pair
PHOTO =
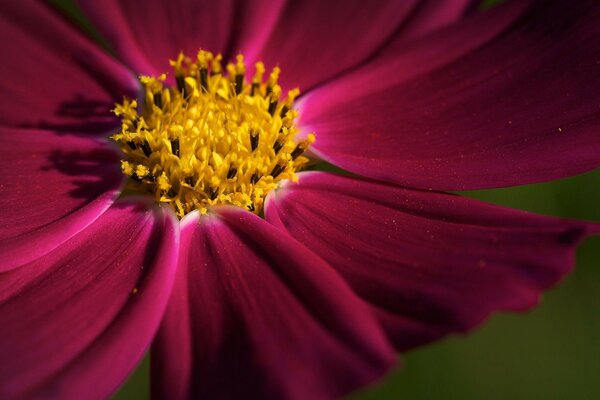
(77, 321)
(53, 186)
(428, 263)
(254, 314)
(494, 100)
(145, 36)
(315, 40)
(52, 76)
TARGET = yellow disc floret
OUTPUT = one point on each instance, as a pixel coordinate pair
(212, 139)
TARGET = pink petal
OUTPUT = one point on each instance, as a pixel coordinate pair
(431, 15)
(146, 35)
(52, 76)
(53, 186)
(314, 39)
(78, 320)
(256, 315)
(429, 263)
(253, 26)
(458, 110)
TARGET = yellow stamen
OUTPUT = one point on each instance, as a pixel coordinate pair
(212, 139)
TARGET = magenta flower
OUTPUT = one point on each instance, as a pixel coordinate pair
(313, 301)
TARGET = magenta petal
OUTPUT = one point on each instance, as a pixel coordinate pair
(52, 76)
(53, 186)
(78, 320)
(431, 15)
(256, 315)
(146, 35)
(457, 110)
(254, 24)
(429, 263)
(315, 39)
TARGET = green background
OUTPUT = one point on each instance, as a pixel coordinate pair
(552, 352)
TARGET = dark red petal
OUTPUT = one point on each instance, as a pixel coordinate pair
(429, 263)
(53, 186)
(314, 39)
(431, 15)
(146, 35)
(52, 76)
(256, 315)
(458, 110)
(76, 321)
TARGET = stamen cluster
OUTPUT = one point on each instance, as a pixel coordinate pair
(212, 138)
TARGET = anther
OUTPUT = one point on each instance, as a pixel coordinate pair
(204, 79)
(135, 177)
(284, 111)
(175, 146)
(277, 146)
(212, 193)
(158, 100)
(253, 139)
(146, 148)
(297, 151)
(239, 83)
(274, 95)
(240, 71)
(277, 170)
(272, 106)
(258, 77)
(231, 173)
(190, 181)
(131, 144)
(180, 80)
(254, 178)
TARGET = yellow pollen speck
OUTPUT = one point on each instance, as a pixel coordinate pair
(212, 139)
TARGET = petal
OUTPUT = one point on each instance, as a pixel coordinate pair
(81, 317)
(315, 40)
(146, 35)
(431, 15)
(461, 111)
(256, 315)
(52, 76)
(253, 25)
(53, 186)
(429, 263)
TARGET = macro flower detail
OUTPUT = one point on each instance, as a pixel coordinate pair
(247, 276)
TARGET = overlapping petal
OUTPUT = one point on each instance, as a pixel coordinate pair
(428, 263)
(458, 110)
(53, 186)
(256, 315)
(308, 39)
(52, 76)
(314, 40)
(145, 36)
(76, 321)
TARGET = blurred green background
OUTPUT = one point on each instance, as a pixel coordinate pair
(550, 353)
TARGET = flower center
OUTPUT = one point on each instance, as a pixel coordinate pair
(213, 139)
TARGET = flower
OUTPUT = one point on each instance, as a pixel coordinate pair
(313, 300)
